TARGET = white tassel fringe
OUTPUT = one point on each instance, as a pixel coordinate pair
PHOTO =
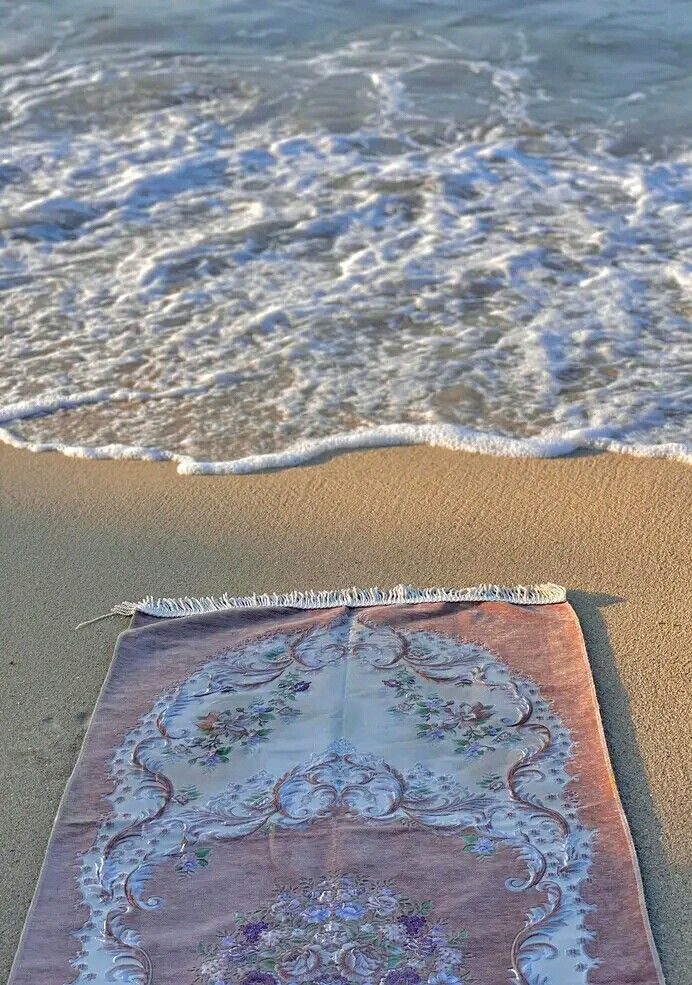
(352, 597)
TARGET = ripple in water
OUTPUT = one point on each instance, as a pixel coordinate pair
(281, 249)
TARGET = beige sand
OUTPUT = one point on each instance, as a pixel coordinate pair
(78, 536)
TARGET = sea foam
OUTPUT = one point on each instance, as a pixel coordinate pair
(371, 246)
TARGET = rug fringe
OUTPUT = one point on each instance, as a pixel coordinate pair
(170, 608)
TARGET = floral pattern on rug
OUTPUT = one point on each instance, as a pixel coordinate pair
(218, 732)
(181, 786)
(475, 728)
(336, 930)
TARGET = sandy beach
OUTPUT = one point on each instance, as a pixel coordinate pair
(79, 536)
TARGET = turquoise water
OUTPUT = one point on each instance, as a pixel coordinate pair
(233, 229)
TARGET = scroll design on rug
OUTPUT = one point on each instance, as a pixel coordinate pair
(337, 930)
(172, 805)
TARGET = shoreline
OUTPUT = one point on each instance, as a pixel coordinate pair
(80, 536)
(451, 437)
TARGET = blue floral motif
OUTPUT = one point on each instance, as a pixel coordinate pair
(190, 862)
(338, 930)
(316, 914)
(219, 732)
(470, 725)
(481, 846)
(349, 911)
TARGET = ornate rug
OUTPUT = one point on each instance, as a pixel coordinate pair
(346, 788)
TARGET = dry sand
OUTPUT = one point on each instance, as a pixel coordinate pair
(78, 536)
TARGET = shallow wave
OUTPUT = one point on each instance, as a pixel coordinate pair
(447, 436)
(370, 247)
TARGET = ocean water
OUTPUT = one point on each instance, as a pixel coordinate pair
(238, 233)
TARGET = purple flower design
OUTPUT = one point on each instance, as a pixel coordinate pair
(332, 931)
(401, 976)
(258, 978)
(413, 925)
(251, 932)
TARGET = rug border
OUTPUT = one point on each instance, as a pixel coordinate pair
(175, 608)
(634, 859)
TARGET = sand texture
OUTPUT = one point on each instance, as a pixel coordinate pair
(78, 536)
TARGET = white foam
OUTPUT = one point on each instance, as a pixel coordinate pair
(388, 435)
(189, 273)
